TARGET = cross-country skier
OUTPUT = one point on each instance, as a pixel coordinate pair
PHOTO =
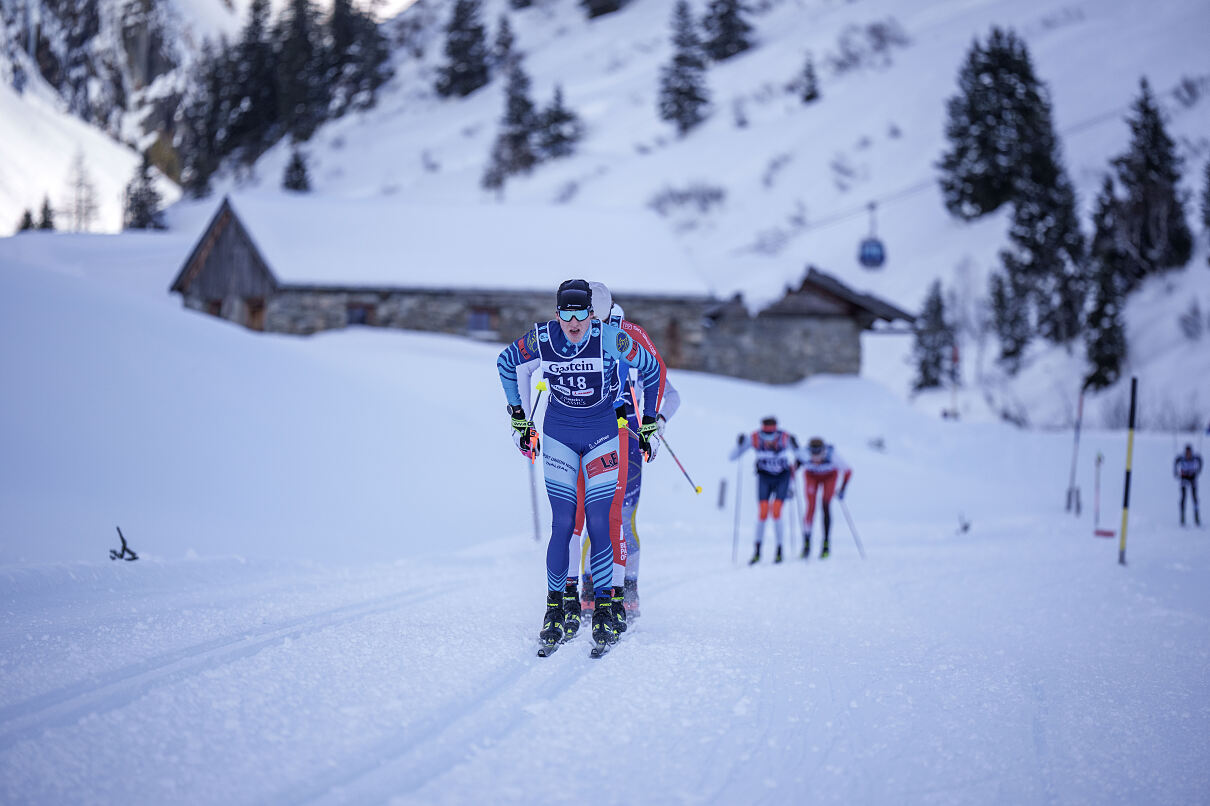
(1187, 467)
(626, 596)
(579, 358)
(775, 461)
(822, 466)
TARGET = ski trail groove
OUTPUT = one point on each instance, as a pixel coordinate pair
(402, 764)
(113, 689)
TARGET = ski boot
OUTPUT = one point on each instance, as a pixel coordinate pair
(552, 625)
(571, 611)
(756, 556)
(603, 632)
(618, 607)
(630, 598)
(777, 556)
(825, 551)
(806, 546)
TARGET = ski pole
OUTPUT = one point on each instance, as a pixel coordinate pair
(852, 529)
(533, 481)
(672, 453)
(799, 511)
(739, 477)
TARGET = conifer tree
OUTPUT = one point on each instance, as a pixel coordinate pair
(466, 52)
(596, 8)
(205, 113)
(27, 221)
(520, 4)
(254, 103)
(519, 124)
(1113, 274)
(1046, 254)
(559, 129)
(1153, 215)
(990, 126)
(727, 32)
(46, 219)
(1010, 320)
(303, 93)
(141, 209)
(493, 174)
(1206, 203)
(683, 97)
(808, 84)
(358, 58)
(295, 177)
(934, 341)
(502, 49)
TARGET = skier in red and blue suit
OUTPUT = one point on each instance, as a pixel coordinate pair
(582, 360)
(822, 467)
(775, 463)
(626, 589)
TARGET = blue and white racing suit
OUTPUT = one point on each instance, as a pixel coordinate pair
(581, 436)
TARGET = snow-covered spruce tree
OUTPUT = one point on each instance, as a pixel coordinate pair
(493, 175)
(989, 126)
(515, 148)
(520, 4)
(358, 58)
(1153, 215)
(253, 122)
(46, 219)
(1206, 205)
(1046, 252)
(727, 32)
(1010, 320)
(202, 134)
(466, 52)
(141, 209)
(27, 221)
(303, 92)
(502, 46)
(559, 129)
(934, 341)
(1114, 273)
(683, 98)
(596, 8)
(295, 176)
(808, 83)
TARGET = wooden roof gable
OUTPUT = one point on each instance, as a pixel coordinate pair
(821, 294)
(225, 228)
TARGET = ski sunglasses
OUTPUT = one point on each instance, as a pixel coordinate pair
(579, 316)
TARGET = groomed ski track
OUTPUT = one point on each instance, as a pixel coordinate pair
(904, 678)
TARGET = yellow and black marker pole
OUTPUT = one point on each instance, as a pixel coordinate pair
(1134, 396)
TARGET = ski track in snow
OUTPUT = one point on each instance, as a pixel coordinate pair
(112, 690)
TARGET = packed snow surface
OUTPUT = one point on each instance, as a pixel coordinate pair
(338, 591)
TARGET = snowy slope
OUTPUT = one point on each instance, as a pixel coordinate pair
(38, 142)
(338, 593)
(797, 179)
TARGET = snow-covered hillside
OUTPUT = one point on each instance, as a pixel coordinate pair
(338, 593)
(795, 180)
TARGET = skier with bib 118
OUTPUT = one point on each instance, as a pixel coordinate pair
(626, 590)
(822, 467)
(1187, 467)
(775, 461)
(579, 357)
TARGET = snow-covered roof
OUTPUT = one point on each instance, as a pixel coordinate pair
(381, 243)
